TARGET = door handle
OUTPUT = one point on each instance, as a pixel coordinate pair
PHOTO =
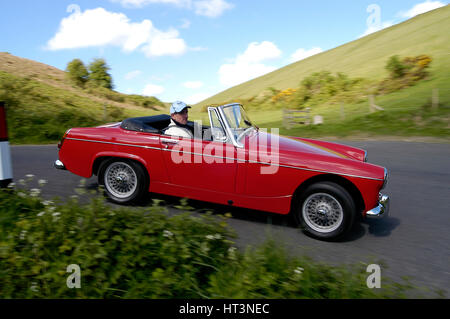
(168, 142)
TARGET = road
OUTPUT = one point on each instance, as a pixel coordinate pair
(414, 241)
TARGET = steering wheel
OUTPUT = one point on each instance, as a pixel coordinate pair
(243, 133)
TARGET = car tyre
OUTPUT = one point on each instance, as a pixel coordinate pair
(125, 181)
(324, 211)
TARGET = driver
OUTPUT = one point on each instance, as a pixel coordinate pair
(178, 120)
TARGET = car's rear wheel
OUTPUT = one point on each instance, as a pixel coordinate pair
(324, 210)
(125, 181)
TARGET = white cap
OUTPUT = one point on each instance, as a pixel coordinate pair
(178, 106)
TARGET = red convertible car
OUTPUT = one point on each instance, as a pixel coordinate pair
(232, 162)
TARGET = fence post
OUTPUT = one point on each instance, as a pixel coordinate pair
(373, 106)
(435, 99)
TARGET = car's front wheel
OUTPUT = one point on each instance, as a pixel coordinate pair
(324, 210)
(125, 181)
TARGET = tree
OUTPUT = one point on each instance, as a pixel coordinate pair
(77, 72)
(99, 75)
(395, 67)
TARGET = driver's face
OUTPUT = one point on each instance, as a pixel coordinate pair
(181, 117)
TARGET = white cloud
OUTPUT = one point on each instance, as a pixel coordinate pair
(422, 8)
(208, 8)
(152, 90)
(211, 8)
(165, 43)
(302, 54)
(99, 27)
(198, 97)
(193, 84)
(133, 74)
(249, 65)
(259, 52)
(375, 28)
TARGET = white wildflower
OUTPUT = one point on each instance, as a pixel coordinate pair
(21, 194)
(167, 234)
(41, 214)
(34, 192)
(29, 176)
(299, 270)
(12, 185)
(34, 287)
(212, 237)
(23, 234)
(56, 216)
(232, 252)
(42, 182)
(47, 202)
(22, 181)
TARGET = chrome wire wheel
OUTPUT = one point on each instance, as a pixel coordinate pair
(120, 179)
(322, 212)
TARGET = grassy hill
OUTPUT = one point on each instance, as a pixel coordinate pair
(41, 103)
(407, 111)
(365, 57)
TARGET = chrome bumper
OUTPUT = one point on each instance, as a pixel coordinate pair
(382, 208)
(59, 165)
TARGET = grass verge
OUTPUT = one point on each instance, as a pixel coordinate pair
(144, 253)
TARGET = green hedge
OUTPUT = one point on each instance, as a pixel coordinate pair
(144, 253)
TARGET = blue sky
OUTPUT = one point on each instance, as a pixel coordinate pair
(190, 49)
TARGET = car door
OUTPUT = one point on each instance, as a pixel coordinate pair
(144, 147)
(201, 164)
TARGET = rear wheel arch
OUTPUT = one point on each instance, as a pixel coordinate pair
(97, 163)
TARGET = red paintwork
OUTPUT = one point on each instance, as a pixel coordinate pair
(239, 180)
